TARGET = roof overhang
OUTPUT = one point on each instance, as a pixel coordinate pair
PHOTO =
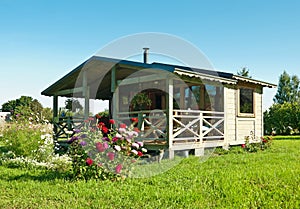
(254, 81)
(204, 77)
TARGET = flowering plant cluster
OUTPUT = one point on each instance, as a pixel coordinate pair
(105, 152)
(254, 146)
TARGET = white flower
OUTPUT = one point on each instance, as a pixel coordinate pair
(134, 151)
(119, 136)
(144, 150)
(117, 148)
(69, 132)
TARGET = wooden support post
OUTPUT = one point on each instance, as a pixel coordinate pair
(218, 98)
(55, 118)
(170, 115)
(199, 152)
(114, 91)
(182, 97)
(86, 94)
(202, 97)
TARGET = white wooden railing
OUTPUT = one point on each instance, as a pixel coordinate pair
(197, 126)
(189, 126)
(152, 123)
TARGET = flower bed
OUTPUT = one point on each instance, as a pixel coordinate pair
(102, 152)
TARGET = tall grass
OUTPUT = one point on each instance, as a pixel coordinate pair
(268, 179)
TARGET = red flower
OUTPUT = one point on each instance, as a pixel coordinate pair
(112, 121)
(104, 129)
(111, 155)
(100, 125)
(140, 154)
(243, 146)
(114, 139)
(118, 168)
(136, 129)
(89, 161)
(134, 120)
(122, 125)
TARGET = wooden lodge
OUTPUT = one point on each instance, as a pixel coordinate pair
(189, 108)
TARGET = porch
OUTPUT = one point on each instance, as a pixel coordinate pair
(186, 111)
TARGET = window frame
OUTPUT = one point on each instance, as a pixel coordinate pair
(240, 114)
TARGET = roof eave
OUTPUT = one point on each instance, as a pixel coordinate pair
(254, 81)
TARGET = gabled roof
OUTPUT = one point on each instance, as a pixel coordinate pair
(99, 69)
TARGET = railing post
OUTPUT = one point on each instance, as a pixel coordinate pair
(170, 116)
(140, 120)
(201, 127)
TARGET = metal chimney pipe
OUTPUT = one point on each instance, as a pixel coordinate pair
(146, 54)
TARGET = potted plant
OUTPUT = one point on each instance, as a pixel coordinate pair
(140, 101)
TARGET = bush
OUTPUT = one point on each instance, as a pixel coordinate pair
(283, 119)
(22, 139)
(30, 146)
(253, 146)
(104, 153)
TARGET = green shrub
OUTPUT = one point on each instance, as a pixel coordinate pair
(297, 137)
(98, 152)
(21, 139)
(27, 145)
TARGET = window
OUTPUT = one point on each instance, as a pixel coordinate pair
(246, 101)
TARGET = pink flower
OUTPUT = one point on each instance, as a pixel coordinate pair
(136, 145)
(118, 168)
(140, 143)
(105, 145)
(101, 147)
(89, 161)
(243, 146)
(122, 130)
(111, 155)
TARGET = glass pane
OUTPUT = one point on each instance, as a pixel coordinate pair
(246, 100)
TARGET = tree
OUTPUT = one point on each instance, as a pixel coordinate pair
(288, 89)
(244, 72)
(25, 107)
(73, 105)
(282, 119)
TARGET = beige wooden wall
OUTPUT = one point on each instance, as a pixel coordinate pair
(236, 127)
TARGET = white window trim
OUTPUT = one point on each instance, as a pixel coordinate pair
(246, 115)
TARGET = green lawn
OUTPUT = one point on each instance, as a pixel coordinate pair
(268, 179)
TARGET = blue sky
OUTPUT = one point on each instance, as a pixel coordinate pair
(43, 40)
